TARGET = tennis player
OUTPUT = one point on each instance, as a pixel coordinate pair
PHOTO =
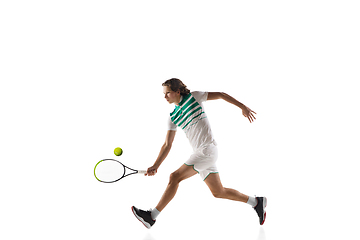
(190, 116)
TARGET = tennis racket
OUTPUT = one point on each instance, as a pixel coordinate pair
(111, 170)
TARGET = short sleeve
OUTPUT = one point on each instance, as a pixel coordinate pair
(200, 96)
(171, 126)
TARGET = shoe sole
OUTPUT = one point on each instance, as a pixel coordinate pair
(264, 206)
(147, 225)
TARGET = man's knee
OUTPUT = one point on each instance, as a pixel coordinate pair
(218, 193)
(175, 177)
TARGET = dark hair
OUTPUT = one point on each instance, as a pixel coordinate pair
(176, 85)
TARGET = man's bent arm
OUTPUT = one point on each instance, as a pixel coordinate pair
(247, 112)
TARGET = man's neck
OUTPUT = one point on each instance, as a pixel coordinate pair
(178, 102)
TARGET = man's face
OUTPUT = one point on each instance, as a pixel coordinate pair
(171, 96)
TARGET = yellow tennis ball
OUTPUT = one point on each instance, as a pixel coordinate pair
(118, 151)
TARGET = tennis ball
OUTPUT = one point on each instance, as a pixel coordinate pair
(118, 151)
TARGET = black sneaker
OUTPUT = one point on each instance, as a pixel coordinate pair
(143, 216)
(260, 209)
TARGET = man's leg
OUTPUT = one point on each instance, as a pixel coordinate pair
(176, 177)
(148, 218)
(217, 189)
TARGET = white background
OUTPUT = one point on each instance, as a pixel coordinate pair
(79, 78)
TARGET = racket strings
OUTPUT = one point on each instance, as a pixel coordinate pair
(109, 171)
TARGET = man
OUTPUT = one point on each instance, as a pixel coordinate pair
(190, 116)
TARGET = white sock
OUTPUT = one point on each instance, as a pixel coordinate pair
(252, 201)
(154, 213)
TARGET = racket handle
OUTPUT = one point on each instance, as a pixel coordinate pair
(142, 171)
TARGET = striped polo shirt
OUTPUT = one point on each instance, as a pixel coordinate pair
(190, 116)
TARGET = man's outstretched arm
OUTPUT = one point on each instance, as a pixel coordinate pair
(164, 151)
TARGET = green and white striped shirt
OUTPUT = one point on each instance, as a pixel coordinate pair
(190, 116)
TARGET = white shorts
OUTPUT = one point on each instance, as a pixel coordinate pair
(203, 160)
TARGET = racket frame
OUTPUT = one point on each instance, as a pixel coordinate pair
(124, 166)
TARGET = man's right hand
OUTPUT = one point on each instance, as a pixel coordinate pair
(151, 171)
